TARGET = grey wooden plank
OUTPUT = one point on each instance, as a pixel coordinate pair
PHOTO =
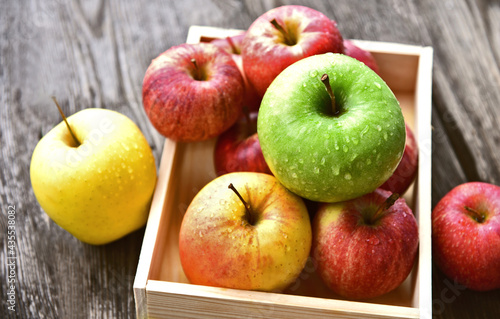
(95, 53)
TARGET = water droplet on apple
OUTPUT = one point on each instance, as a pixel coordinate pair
(313, 73)
(385, 136)
(368, 161)
(345, 148)
(294, 175)
(377, 85)
(301, 161)
(316, 170)
(200, 233)
(304, 84)
(347, 176)
(355, 141)
(364, 131)
(336, 170)
(336, 145)
(373, 240)
(323, 161)
(379, 128)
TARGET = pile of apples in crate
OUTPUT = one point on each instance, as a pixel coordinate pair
(312, 155)
(302, 120)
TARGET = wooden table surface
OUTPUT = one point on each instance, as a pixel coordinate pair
(95, 54)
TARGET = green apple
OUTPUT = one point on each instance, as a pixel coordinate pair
(98, 187)
(330, 128)
(244, 230)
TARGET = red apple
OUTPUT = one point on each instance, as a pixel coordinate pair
(406, 171)
(238, 149)
(282, 36)
(365, 247)
(466, 235)
(256, 235)
(230, 44)
(362, 55)
(233, 45)
(193, 92)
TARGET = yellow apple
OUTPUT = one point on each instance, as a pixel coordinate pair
(256, 235)
(98, 188)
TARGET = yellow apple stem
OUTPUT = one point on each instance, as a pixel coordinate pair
(287, 37)
(326, 81)
(66, 121)
(385, 206)
(475, 214)
(248, 211)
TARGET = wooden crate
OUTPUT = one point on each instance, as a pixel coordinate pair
(161, 288)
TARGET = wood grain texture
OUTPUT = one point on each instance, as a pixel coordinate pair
(94, 54)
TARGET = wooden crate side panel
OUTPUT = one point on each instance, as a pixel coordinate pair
(168, 300)
(424, 204)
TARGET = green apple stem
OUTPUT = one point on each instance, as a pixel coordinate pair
(66, 121)
(385, 206)
(475, 214)
(326, 81)
(287, 36)
(248, 211)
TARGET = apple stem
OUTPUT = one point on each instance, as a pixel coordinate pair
(198, 73)
(385, 206)
(233, 46)
(248, 212)
(66, 121)
(326, 81)
(475, 214)
(286, 35)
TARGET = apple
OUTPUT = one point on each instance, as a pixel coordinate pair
(360, 54)
(238, 149)
(365, 247)
(244, 230)
(232, 45)
(282, 36)
(406, 171)
(466, 235)
(330, 128)
(193, 92)
(98, 185)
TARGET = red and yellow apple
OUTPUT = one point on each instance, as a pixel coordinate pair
(282, 36)
(365, 247)
(193, 92)
(245, 230)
